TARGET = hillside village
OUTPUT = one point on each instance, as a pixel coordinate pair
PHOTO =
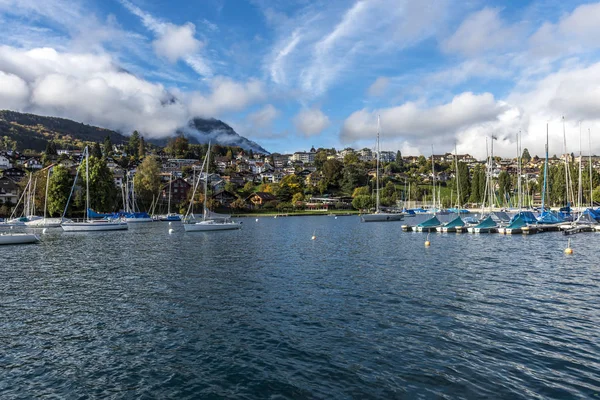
(316, 179)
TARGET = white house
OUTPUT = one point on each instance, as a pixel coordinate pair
(4, 162)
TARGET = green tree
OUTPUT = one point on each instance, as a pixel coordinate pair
(596, 194)
(332, 172)
(96, 151)
(361, 191)
(477, 185)
(247, 190)
(351, 158)
(297, 197)
(141, 148)
(289, 186)
(363, 202)
(107, 147)
(147, 181)
(526, 157)
(320, 159)
(179, 146)
(504, 186)
(51, 149)
(353, 176)
(58, 190)
(101, 183)
(134, 144)
(464, 182)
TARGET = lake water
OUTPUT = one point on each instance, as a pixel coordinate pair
(364, 311)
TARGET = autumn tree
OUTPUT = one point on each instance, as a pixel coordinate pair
(147, 180)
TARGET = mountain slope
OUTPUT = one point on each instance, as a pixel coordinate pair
(219, 132)
(32, 131)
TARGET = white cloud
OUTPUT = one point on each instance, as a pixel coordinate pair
(324, 45)
(173, 42)
(482, 32)
(93, 89)
(177, 42)
(379, 87)
(14, 92)
(424, 123)
(263, 117)
(311, 122)
(575, 33)
(227, 95)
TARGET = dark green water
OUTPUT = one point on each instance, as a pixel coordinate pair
(364, 311)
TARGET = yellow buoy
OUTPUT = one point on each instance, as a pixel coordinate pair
(569, 250)
(427, 242)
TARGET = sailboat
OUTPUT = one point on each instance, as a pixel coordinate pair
(487, 224)
(211, 221)
(18, 238)
(132, 216)
(88, 224)
(170, 217)
(378, 215)
(45, 222)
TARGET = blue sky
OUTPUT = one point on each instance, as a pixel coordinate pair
(294, 74)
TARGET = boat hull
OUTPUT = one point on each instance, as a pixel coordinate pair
(381, 217)
(44, 223)
(138, 220)
(93, 226)
(18, 238)
(169, 218)
(205, 227)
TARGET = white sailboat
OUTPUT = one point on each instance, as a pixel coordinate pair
(45, 222)
(88, 224)
(170, 217)
(210, 221)
(378, 215)
(18, 238)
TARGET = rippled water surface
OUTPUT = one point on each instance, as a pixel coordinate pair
(363, 311)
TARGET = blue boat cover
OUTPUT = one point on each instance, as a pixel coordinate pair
(487, 223)
(526, 216)
(455, 222)
(587, 217)
(458, 211)
(550, 217)
(433, 221)
(517, 222)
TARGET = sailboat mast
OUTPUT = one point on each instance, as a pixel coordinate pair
(433, 177)
(580, 188)
(519, 160)
(545, 173)
(590, 165)
(46, 197)
(458, 202)
(33, 197)
(170, 184)
(377, 169)
(206, 182)
(87, 182)
(566, 160)
(492, 194)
